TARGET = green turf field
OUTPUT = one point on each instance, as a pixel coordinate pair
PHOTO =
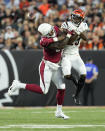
(43, 119)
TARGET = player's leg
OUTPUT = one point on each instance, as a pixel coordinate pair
(79, 66)
(45, 78)
(85, 94)
(92, 85)
(44, 82)
(59, 82)
(16, 85)
(66, 69)
(81, 83)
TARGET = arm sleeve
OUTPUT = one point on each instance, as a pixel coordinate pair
(64, 25)
(59, 44)
(44, 42)
(56, 29)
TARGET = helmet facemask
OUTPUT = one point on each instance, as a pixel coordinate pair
(51, 33)
(77, 16)
(76, 19)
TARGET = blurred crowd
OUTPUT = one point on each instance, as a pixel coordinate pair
(19, 20)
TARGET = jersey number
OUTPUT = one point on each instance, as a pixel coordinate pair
(77, 41)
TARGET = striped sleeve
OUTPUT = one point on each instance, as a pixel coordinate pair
(64, 25)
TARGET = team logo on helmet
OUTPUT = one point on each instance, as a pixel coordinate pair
(46, 30)
(77, 16)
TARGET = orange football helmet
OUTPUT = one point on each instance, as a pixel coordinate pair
(77, 16)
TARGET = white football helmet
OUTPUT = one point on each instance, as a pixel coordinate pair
(45, 29)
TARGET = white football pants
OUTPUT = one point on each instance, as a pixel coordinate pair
(72, 61)
(50, 71)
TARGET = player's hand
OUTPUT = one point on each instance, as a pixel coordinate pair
(72, 32)
(63, 31)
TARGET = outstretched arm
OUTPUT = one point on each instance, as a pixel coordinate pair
(60, 44)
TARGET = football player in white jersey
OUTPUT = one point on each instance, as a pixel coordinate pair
(71, 57)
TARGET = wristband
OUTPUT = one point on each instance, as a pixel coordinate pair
(55, 39)
(68, 35)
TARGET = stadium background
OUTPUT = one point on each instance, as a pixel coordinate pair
(19, 45)
(23, 65)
